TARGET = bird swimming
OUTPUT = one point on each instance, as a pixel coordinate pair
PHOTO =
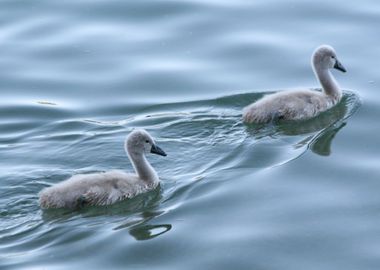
(106, 188)
(301, 104)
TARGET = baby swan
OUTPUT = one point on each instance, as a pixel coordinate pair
(301, 104)
(108, 187)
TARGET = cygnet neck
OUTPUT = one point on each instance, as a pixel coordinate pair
(142, 167)
(329, 85)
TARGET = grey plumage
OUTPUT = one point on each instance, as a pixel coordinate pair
(300, 104)
(107, 187)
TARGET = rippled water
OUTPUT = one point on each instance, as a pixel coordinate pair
(77, 76)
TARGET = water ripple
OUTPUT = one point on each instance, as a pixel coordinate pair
(77, 77)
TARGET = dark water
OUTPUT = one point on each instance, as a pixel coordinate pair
(77, 76)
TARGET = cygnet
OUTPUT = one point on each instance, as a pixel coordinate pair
(301, 104)
(108, 187)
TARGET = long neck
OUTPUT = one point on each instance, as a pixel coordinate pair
(142, 167)
(329, 85)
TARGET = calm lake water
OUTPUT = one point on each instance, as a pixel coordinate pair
(77, 76)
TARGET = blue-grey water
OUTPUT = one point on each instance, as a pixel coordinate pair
(77, 76)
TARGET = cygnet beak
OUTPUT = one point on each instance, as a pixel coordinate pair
(157, 150)
(339, 66)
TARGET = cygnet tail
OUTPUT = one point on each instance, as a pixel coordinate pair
(255, 114)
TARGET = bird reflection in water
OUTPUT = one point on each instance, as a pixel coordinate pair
(316, 133)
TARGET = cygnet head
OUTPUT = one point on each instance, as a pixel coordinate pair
(140, 142)
(324, 57)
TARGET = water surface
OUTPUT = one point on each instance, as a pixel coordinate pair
(77, 77)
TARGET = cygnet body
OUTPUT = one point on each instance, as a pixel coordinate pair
(301, 104)
(108, 187)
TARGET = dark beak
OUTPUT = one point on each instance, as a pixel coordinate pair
(157, 150)
(339, 66)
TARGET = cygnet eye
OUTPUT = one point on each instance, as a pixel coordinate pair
(147, 141)
(332, 56)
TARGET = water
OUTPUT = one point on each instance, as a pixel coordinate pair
(77, 76)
